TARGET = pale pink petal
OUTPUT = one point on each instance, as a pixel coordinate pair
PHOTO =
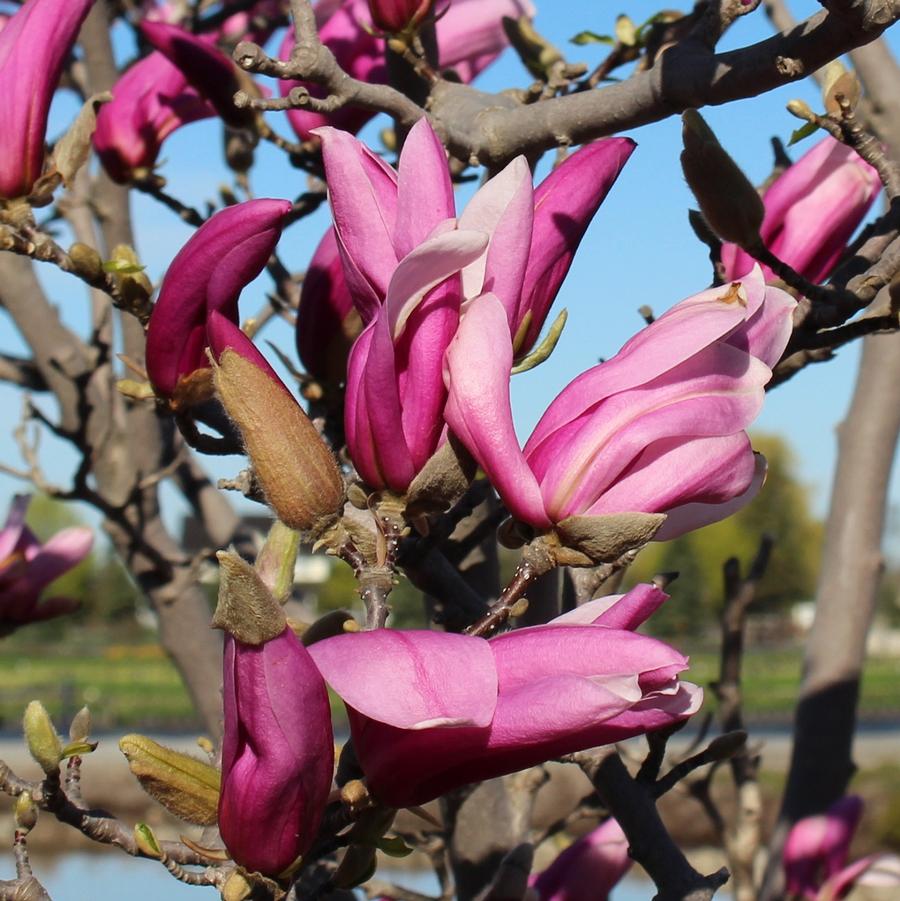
(477, 370)
(58, 555)
(412, 680)
(15, 522)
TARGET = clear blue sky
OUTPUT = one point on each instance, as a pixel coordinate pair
(638, 251)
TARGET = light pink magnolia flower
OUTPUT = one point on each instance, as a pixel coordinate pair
(430, 711)
(588, 869)
(812, 209)
(469, 33)
(27, 567)
(659, 428)
(150, 101)
(34, 45)
(277, 753)
(409, 266)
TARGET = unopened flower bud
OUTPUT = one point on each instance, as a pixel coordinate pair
(728, 201)
(185, 786)
(43, 742)
(295, 468)
(26, 812)
(801, 109)
(399, 16)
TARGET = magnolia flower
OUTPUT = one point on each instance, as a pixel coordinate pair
(430, 711)
(150, 101)
(469, 33)
(812, 209)
(277, 752)
(588, 869)
(659, 428)
(27, 567)
(204, 66)
(34, 45)
(816, 850)
(402, 249)
(226, 253)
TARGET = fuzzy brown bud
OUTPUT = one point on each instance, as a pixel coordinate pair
(295, 468)
(728, 200)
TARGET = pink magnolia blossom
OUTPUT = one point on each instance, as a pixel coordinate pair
(659, 428)
(150, 101)
(277, 753)
(34, 45)
(410, 267)
(205, 67)
(430, 711)
(588, 869)
(226, 253)
(469, 33)
(812, 209)
(27, 567)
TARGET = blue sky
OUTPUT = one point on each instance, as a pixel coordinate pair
(639, 250)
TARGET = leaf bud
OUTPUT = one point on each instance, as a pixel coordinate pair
(86, 260)
(26, 812)
(43, 742)
(236, 887)
(80, 728)
(728, 201)
(146, 841)
(185, 786)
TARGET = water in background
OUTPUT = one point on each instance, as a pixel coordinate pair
(108, 876)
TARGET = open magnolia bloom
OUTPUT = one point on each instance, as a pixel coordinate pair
(430, 711)
(658, 428)
(410, 265)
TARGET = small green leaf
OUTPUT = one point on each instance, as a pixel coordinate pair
(591, 37)
(146, 841)
(803, 132)
(78, 749)
(122, 267)
(393, 846)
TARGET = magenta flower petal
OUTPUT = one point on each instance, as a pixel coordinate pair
(411, 680)
(34, 45)
(226, 252)
(477, 369)
(60, 553)
(277, 753)
(564, 204)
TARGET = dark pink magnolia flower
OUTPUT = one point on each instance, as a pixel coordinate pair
(812, 210)
(27, 567)
(277, 753)
(658, 428)
(470, 37)
(397, 16)
(430, 711)
(226, 253)
(205, 67)
(327, 321)
(588, 869)
(411, 269)
(150, 101)
(34, 45)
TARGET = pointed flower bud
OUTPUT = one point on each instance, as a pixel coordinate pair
(226, 253)
(811, 211)
(727, 198)
(34, 45)
(40, 736)
(185, 786)
(277, 752)
(296, 470)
